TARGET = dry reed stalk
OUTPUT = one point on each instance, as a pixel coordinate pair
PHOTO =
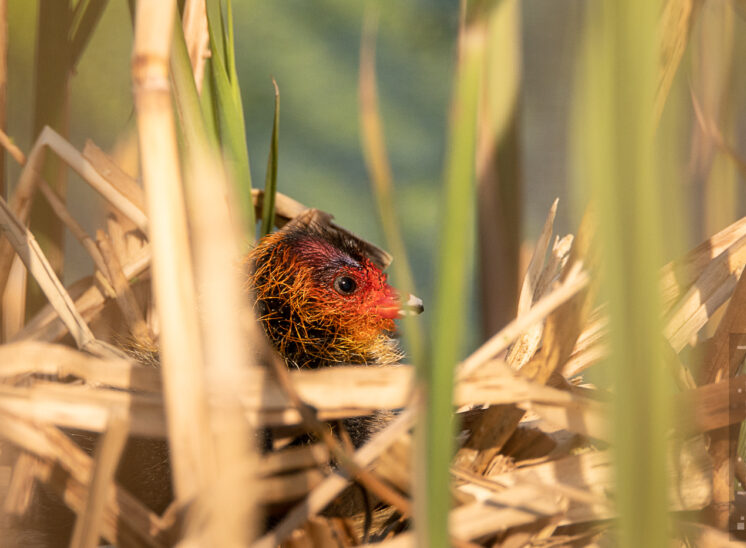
(327, 490)
(536, 265)
(706, 277)
(59, 208)
(293, 458)
(228, 329)
(340, 453)
(192, 457)
(524, 348)
(82, 407)
(712, 406)
(674, 26)
(498, 482)
(125, 520)
(13, 300)
(564, 326)
(46, 325)
(581, 415)
(25, 358)
(713, 287)
(703, 536)
(121, 240)
(561, 331)
(197, 38)
(62, 148)
(699, 409)
(558, 258)
(105, 460)
(709, 127)
(38, 266)
(587, 478)
(353, 393)
(125, 298)
(725, 354)
(20, 203)
(110, 170)
(678, 276)
(494, 513)
(575, 281)
(12, 148)
(21, 488)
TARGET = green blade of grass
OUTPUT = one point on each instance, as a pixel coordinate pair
(433, 499)
(615, 154)
(186, 99)
(207, 102)
(85, 18)
(52, 72)
(379, 172)
(228, 109)
(270, 181)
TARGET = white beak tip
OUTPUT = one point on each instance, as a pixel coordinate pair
(411, 307)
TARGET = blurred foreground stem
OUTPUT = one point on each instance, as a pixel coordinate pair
(614, 142)
(435, 434)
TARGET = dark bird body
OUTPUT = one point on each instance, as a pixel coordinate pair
(322, 298)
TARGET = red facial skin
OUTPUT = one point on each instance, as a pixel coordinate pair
(305, 313)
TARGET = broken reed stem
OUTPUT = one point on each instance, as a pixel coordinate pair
(576, 281)
(11, 147)
(88, 173)
(725, 354)
(26, 358)
(677, 276)
(21, 488)
(73, 226)
(334, 484)
(46, 325)
(110, 170)
(105, 461)
(192, 457)
(535, 266)
(197, 38)
(709, 127)
(20, 203)
(224, 314)
(38, 266)
(344, 460)
(124, 296)
(125, 520)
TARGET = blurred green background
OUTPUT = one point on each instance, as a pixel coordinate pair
(312, 49)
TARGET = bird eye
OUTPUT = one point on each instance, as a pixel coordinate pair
(344, 285)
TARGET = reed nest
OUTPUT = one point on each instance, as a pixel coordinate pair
(533, 464)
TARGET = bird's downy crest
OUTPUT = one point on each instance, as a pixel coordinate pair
(322, 295)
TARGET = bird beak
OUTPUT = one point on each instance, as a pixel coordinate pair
(411, 307)
(392, 306)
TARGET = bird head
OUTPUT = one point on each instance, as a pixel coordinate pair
(323, 297)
